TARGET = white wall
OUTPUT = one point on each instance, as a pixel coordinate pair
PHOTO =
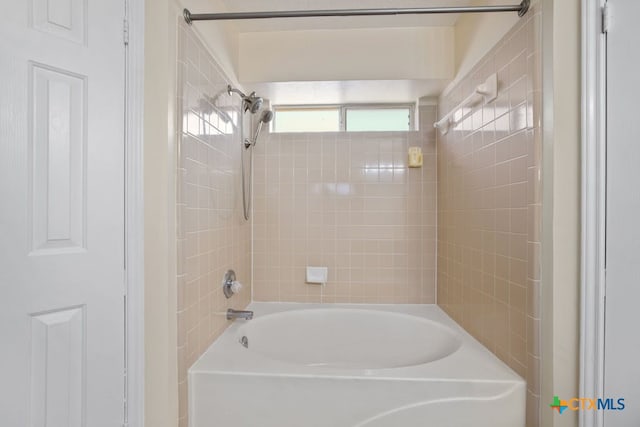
(353, 54)
(561, 206)
(161, 405)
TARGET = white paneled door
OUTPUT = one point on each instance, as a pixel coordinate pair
(62, 183)
(622, 339)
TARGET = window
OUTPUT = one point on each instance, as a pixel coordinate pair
(360, 119)
(349, 118)
(307, 119)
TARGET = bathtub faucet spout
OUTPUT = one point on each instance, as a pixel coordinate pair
(239, 314)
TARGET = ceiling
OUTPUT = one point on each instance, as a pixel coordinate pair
(292, 24)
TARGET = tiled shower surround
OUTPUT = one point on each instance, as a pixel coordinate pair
(349, 202)
(489, 208)
(346, 201)
(212, 234)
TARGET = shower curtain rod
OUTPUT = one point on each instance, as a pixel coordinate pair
(189, 17)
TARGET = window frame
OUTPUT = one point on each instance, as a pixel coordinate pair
(342, 113)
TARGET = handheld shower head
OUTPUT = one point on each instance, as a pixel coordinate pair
(250, 102)
(265, 117)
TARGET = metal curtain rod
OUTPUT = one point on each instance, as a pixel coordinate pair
(189, 17)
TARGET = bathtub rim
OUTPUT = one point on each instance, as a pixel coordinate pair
(453, 341)
(471, 362)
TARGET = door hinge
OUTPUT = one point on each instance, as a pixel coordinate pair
(606, 18)
(125, 31)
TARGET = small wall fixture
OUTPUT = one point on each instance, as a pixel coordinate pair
(317, 275)
(415, 157)
(230, 285)
(485, 93)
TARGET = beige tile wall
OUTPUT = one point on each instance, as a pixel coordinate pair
(489, 208)
(346, 201)
(212, 235)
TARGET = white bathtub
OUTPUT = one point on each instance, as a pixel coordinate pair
(311, 365)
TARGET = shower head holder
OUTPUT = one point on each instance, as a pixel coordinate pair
(250, 102)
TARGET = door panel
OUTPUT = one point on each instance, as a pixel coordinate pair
(57, 364)
(622, 341)
(61, 213)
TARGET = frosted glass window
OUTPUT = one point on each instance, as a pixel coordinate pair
(377, 119)
(343, 118)
(307, 119)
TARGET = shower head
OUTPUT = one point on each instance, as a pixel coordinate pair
(265, 117)
(250, 102)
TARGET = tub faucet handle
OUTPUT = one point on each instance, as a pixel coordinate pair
(230, 285)
(236, 286)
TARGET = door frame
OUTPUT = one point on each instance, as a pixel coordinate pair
(134, 215)
(594, 140)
